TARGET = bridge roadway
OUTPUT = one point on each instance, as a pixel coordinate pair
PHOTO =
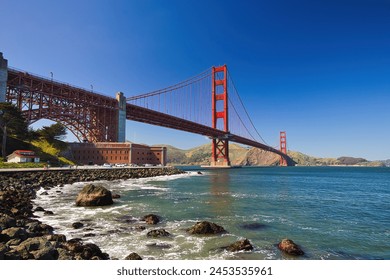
(145, 115)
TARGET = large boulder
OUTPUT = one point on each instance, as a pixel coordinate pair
(241, 245)
(288, 246)
(133, 256)
(151, 219)
(206, 227)
(94, 195)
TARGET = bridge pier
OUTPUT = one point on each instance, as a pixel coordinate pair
(3, 77)
(121, 116)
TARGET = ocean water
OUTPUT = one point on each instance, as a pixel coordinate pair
(331, 212)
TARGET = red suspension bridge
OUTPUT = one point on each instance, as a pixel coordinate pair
(207, 104)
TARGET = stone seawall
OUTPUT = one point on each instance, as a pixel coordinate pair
(22, 236)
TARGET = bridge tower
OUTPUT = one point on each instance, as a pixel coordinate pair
(283, 148)
(219, 107)
(3, 77)
(121, 116)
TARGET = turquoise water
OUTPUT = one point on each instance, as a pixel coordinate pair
(331, 212)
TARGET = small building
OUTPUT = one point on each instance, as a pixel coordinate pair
(20, 156)
(117, 153)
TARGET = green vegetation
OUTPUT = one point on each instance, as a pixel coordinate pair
(45, 142)
(12, 123)
(22, 165)
(51, 151)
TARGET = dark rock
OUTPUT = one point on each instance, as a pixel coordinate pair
(45, 193)
(89, 235)
(200, 173)
(16, 232)
(4, 238)
(14, 255)
(39, 209)
(48, 213)
(158, 233)
(253, 226)
(90, 250)
(77, 225)
(133, 256)
(288, 246)
(34, 244)
(47, 253)
(206, 228)
(139, 228)
(241, 245)
(159, 245)
(64, 254)
(116, 196)
(59, 238)
(7, 221)
(73, 245)
(94, 195)
(3, 249)
(151, 219)
(14, 242)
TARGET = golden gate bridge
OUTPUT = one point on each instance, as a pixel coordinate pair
(207, 104)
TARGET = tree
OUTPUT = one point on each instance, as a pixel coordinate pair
(11, 123)
(55, 131)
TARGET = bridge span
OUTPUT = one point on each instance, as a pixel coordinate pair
(199, 105)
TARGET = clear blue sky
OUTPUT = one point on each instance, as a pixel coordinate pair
(318, 69)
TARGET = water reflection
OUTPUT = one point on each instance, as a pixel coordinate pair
(220, 199)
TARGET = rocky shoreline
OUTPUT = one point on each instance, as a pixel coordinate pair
(23, 236)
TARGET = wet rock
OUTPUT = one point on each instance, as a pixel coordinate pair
(16, 232)
(139, 228)
(47, 253)
(90, 250)
(89, 235)
(199, 173)
(241, 245)
(133, 256)
(116, 196)
(64, 254)
(14, 242)
(158, 233)
(159, 245)
(151, 219)
(77, 225)
(59, 238)
(7, 221)
(34, 244)
(4, 238)
(48, 213)
(206, 227)
(3, 249)
(253, 226)
(39, 209)
(73, 245)
(288, 246)
(94, 195)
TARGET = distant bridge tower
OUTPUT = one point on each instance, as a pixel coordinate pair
(283, 148)
(3, 77)
(220, 146)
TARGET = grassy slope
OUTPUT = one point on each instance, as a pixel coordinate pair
(48, 152)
